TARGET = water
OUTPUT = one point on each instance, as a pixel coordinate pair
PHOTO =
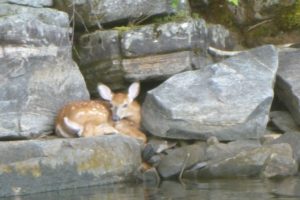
(225, 189)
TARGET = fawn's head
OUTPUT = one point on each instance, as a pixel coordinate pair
(122, 104)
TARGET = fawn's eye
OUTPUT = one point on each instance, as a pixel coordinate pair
(125, 105)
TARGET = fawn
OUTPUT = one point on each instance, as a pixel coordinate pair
(120, 113)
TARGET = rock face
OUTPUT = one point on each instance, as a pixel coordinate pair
(180, 158)
(38, 75)
(37, 166)
(33, 3)
(287, 83)
(293, 139)
(267, 161)
(229, 100)
(251, 11)
(153, 39)
(157, 67)
(283, 121)
(97, 12)
(149, 52)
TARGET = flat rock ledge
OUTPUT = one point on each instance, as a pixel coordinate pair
(45, 165)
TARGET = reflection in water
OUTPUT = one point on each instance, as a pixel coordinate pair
(224, 189)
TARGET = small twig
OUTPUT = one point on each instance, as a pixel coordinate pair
(259, 24)
(219, 52)
(188, 155)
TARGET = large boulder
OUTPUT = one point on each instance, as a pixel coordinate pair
(287, 83)
(38, 75)
(33, 3)
(45, 165)
(229, 100)
(97, 12)
(267, 161)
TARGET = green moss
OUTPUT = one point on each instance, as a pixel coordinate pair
(28, 168)
(179, 17)
(122, 28)
(99, 160)
(5, 169)
(289, 17)
(174, 4)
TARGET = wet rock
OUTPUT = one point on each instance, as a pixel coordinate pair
(33, 3)
(165, 38)
(179, 158)
(99, 12)
(279, 166)
(287, 82)
(252, 162)
(293, 139)
(38, 75)
(229, 100)
(154, 150)
(66, 163)
(154, 160)
(283, 121)
(151, 176)
(219, 151)
(157, 67)
(156, 146)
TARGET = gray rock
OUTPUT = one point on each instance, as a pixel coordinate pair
(220, 151)
(200, 60)
(283, 121)
(279, 166)
(229, 100)
(109, 72)
(293, 139)
(260, 10)
(169, 37)
(97, 12)
(269, 137)
(33, 3)
(151, 176)
(180, 158)
(99, 46)
(287, 82)
(156, 67)
(44, 16)
(252, 162)
(219, 37)
(37, 73)
(38, 166)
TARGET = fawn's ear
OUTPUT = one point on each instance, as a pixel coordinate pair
(105, 92)
(74, 127)
(133, 90)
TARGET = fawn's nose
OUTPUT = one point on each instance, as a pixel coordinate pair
(116, 117)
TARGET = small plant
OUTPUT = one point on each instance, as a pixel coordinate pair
(234, 2)
(174, 4)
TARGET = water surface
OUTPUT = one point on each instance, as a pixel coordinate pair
(221, 189)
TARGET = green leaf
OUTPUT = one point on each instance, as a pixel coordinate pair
(235, 2)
